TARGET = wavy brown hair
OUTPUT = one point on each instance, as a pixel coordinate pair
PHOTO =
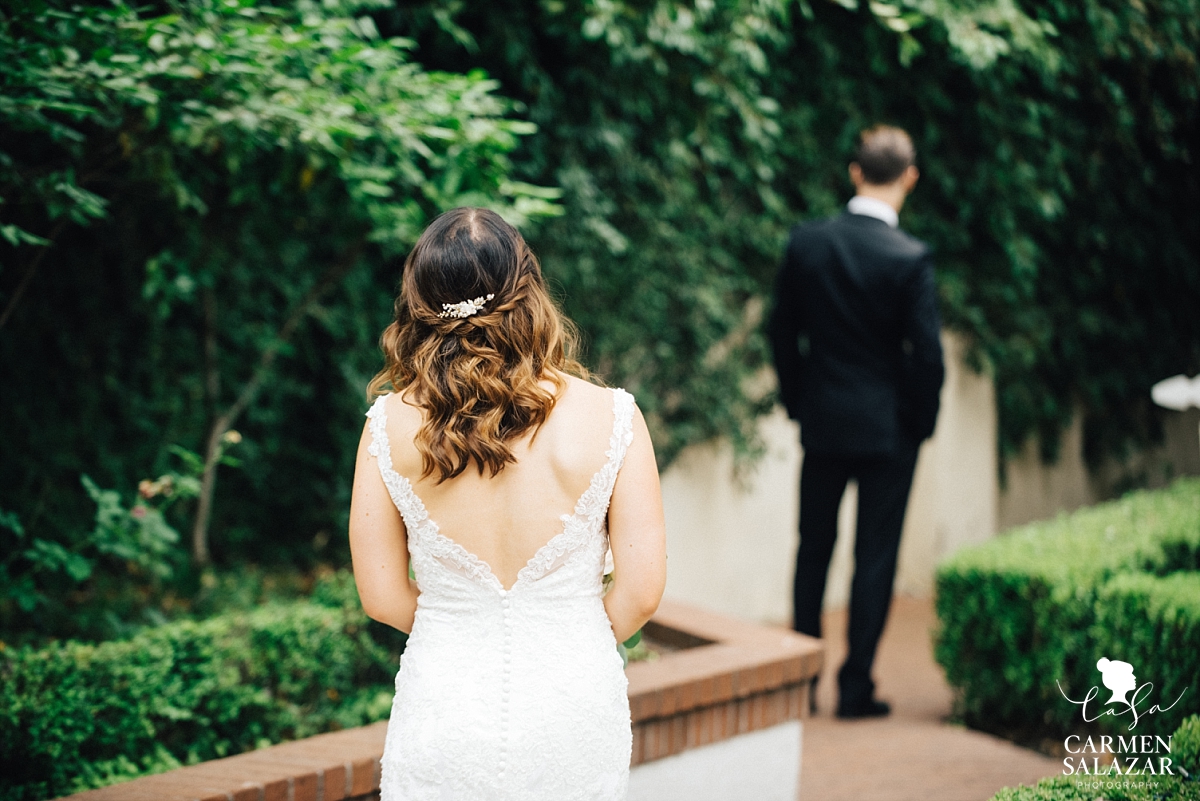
(476, 377)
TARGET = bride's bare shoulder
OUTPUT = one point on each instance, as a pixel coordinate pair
(582, 385)
(585, 396)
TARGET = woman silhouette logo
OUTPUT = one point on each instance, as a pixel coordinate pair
(1118, 677)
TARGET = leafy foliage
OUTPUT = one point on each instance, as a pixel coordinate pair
(1180, 785)
(1037, 607)
(226, 187)
(1134, 788)
(198, 198)
(1187, 745)
(1154, 621)
(1056, 145)
(75, 716)
(677, 134)
(104, 583)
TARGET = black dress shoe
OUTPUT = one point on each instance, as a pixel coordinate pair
(871, 708)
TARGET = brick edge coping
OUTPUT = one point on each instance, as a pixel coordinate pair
(337, 766)
(748, 677)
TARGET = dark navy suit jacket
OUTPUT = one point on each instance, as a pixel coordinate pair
(854, 333)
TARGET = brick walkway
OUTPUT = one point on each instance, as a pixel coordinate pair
(911, 755)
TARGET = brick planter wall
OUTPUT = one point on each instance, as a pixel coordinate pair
(729, 678)
(732, 678)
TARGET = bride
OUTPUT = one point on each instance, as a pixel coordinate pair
(500, 477)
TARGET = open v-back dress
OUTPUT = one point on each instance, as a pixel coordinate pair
(509, 695)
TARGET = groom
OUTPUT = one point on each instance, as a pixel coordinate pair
(855, 338)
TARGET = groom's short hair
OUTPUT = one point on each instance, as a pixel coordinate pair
(884, 152)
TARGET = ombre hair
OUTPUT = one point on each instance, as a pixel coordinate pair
(477, 377)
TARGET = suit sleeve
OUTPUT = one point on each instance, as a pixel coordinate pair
(783, 331)
(923, 369)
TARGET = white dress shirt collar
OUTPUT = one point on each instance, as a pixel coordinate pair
(870, 207)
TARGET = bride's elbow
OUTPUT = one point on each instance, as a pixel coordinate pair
(648, 604)
(397, 619)
(645, 601)
(374, 609)
(390, 611)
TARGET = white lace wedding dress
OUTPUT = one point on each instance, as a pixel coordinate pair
(514, 694)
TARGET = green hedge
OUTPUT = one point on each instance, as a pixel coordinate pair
(75, 716)
(1041, 604)
(1154, 623)
(1069, 788)
(1182, 785)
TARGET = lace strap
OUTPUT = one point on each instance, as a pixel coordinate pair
(399, 488)
(377, 423)
(622, 433)
(595, 502)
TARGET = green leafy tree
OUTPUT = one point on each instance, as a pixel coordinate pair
(204, 204)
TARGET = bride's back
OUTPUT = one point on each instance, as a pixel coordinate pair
(504, 519)
(478, 361)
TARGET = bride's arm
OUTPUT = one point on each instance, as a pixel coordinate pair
(637, 534)
(379, 546)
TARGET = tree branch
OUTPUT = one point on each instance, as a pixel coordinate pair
(223, 422)
(34, 263)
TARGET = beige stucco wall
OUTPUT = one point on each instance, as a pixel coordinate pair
(1036, 491)
(732, 540)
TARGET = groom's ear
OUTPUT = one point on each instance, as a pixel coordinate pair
(910, 176)
(856, 175)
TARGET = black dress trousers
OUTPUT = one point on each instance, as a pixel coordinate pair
(883, 487)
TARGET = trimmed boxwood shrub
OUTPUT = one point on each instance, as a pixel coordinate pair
(75, 716)
(1154, 623)
(1040, 605)
(1186, 746)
